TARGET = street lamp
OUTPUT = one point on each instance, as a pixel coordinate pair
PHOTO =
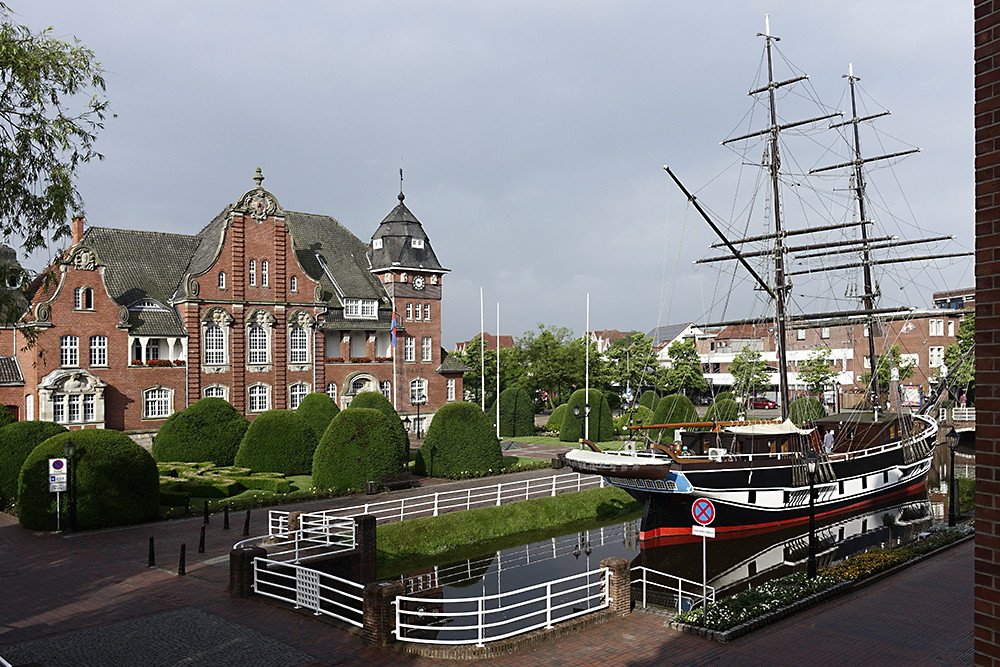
(586, 414)
(952, 439)
(69, 450)
(812, 464)
(419, 400)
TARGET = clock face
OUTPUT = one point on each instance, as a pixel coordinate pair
(418, 283)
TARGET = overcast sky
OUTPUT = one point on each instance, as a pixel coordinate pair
(532, 134)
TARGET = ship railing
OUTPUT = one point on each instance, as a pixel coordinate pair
(931, 427)
(490, 618)
(684, 593)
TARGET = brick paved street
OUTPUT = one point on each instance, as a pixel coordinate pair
(89, 599)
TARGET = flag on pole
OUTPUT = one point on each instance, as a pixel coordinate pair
(394, 328)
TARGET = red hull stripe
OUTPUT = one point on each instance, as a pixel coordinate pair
(676, 534)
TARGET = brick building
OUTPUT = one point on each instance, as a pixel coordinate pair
(261, 307)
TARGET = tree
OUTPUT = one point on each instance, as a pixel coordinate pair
(749, 371)
(817, 372)
(886, 361)
(551, 356)
(631, 364)
(685, 368)
(962, 376)
(512, 371)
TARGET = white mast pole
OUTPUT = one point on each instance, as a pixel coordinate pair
(393, 335)
(586, 341)
(498, 370)
(482, 353)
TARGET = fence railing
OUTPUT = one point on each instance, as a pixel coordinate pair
(434, 504)
(477, 620)
(963, 414)
(684, 593)
(306, 588)
(315, 537)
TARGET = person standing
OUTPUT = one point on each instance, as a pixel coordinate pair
(828, 441)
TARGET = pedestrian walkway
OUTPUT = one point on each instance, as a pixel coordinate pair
(90, 599)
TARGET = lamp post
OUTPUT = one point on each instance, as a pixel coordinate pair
(812, 463)
(419, 400)
(69, 450)
(586, 414)
(952, 439)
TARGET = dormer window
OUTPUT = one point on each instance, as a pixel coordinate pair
(360, 308)
(376, 244)
(417, 243)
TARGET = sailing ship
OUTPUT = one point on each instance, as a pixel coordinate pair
(760, 475)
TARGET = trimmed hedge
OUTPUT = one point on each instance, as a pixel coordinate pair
(672, 409)
(725, 410)
(602, 427)
(724, 396)
(517, 413)
(640, 413)
(376, 401)
(208, 430)
(278, 441)
(116, 482)
(805, 409)
(6, 416)
(17, 441)
(648, 399)
(360, 445)
(555, 420)
(461, 442)
(318, 409)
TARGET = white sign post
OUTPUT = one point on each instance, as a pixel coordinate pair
(57, 484)
(703, 512)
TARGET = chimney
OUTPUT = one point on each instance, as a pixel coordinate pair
(77, 228)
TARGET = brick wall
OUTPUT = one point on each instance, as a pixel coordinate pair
(987, 166)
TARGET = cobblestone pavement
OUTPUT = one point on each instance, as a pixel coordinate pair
(90, 599)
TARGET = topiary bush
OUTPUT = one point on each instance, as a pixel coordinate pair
(725, 410)
(6, 416)
(805, 409)
(622, 422)
(461, 442)
(672, 409)
(17, 440)
(376, 401)
(360, 445)
(724, 396)
(517, 413)
(278, 441)
(208, 430)
(115, 482)
(555, 420)
(648, 399)
(318, 409)
(602, 427)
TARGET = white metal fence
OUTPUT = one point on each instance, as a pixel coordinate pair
(313, 537)
(477, 620)
(306, 588)
(958, 414)
(683, 593)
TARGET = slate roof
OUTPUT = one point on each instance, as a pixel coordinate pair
(10, 371)
(396, 232)
(451, 364)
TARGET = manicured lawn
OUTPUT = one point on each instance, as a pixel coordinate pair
(548, 440)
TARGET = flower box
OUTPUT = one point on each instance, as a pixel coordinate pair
(360, 360)
(333, 360)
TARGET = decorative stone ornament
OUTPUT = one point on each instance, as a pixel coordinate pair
(84, 259)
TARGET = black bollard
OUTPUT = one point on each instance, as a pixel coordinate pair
(246, 525)
(180, 567)
(206, 512)
(201, 540)
(187, 504)
(152, 554)
(225, 517)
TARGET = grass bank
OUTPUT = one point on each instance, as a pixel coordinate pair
(418, 543)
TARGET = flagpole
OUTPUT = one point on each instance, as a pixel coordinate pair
(498, 370)
(586, 341)
(393, 336)
(482, 353)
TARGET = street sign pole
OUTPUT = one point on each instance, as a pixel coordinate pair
(58, 515)
(703, 512)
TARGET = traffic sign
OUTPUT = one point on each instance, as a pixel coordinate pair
(57, 479)
(703, 511)
(57, 487)
(704, 531)
(57, 466)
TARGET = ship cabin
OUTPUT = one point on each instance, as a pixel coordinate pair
(770, 438)
(860, 430)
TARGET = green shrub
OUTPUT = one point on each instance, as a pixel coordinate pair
(672, 409)
(461, 442)
(376, 401)
(555, 420)
(602, 426)
(726, 410)
(360, 445)
(517, 413)
(278, 441)
(17, 440)
(648, 399)
(805, 409)
(6, 416)
(209, 430)
(318, 409)
(724, 396)
(614, 400)
(640, 413)
(116, 482)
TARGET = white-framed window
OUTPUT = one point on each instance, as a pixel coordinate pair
(215, 344)
(427, 312)
(418, 391)
(935, 356)
(951, 327)
(409, 349)
(416, 243)
(257, 345)
(936, 327)
(59, 408)
(409, 311)
(258, 398)
(98, 351)
(386, 387)
(352, 307)
(369, 308)
(222, 280)
(215, 391)
(263, 273)
(416, 312)
(152, 349)
(425, 348)
(912, 359)
(296, 393)
(293, 284)
(74, 408)
(824, 332)
(89, 408)
(298, 346)
(73, 405)
(451, 389)
(865, 331)
(69, 351)
(137, 350)
(83, 298)
(331, 391)
(800, 334)
(376, 244)
(156, 403)
(359, 385)
(252, 266)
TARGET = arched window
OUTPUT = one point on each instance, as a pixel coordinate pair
(259, 398)
(253, 272)
(298, 346)
(215, 391)
(359, 385)
(156, 403)
(222, 280)
(331, 391)
(293, 284)
(257, 339)
(215, 344)
(418, 391)
(296, 393)
(263, 272)
(69, 351)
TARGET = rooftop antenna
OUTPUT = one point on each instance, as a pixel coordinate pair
(400, 179)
